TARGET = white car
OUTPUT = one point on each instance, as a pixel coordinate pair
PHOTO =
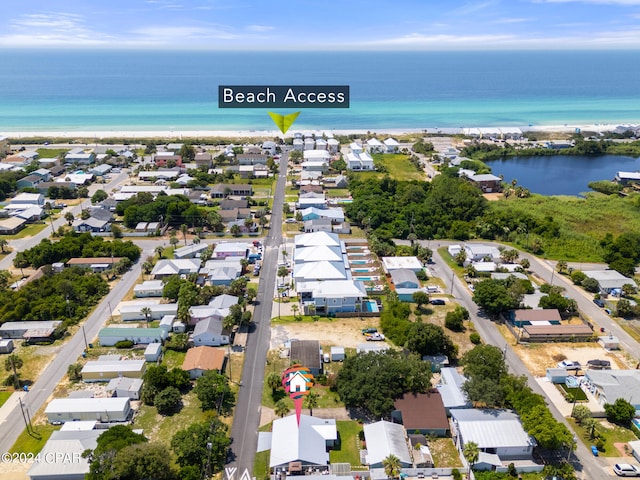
(568, 364)
(626, 470)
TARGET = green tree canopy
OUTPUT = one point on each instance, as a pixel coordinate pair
(429, 339)
(213, 391)
(372, 381)
(190, 445)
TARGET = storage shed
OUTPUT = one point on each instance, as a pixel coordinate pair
(337, 354)
(153, 352)
(6, 345)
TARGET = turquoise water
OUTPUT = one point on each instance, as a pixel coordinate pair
(371, 306)
(173, 90)
(636, 422)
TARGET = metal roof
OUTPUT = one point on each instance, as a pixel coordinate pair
(306, 442)
(383, 439)
(491, 428)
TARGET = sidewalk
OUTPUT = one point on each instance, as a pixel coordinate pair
(9, 405)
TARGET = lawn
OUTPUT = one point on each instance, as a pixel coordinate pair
(577, 393)
(4, 396)
(611, 433)
(348, 449)
(161, 429)
(33, 443)
(397, 166)
(261, 465)
(172, 359)
(444, 453)
(51, 152)
(338, 192)
(28, 231)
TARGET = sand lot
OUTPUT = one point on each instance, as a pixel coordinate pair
(539, 357)
(343, 332)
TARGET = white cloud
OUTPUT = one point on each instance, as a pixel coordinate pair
(174, 34)
(512, 20)
(49, 21)
(259, 28)
(469, 8)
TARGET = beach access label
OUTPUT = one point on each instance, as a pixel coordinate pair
(283, 96)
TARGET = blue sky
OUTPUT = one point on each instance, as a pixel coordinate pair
(326, 25)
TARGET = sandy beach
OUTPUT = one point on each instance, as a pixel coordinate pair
(179, 134)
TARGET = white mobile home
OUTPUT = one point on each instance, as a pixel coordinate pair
(106, 410)
(103, 371)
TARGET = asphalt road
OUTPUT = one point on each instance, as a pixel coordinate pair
(42, 389)
(587, 466)
(244, 432)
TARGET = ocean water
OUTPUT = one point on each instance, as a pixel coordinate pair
(152, 90)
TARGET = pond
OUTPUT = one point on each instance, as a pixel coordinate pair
(562, 174)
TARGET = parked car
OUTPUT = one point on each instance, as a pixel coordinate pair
(369, 330)
(290, 220)
(375, 337)
(626, 470)
(598, 302)
(437, 301)
(570, 364)
(594, 450)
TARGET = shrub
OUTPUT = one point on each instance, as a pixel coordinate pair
(455, 473)
(474, 337)
(168, 401)
(577, 277)
(590, 285)
(124, 344)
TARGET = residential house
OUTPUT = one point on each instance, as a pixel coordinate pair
(556, 333)
(298, 144)
(322, 270)
(318, 225)
(148, 288)
(450, 388)
(31, 214)
(627, 178)
(422, 412)
(209, 332)
(610, 385)
(305, 443)
(333, 145)
(252, 158)
(63, 452)
(91, 224)
(96, 264)
(164, 159)
(125, 387)
(218, 309)
(496, 432)
(477, 252)
(375, 146)
(487, 182)
(79, 156)
(537, 316)
(28, 199)
(389, 264)
(199, 360)
(101, 170)
(391, 145)
(231, 249)
(105, 410)
(190, 251)
(269, 147)
(179, 266)
(29, 329)
(78, 179)
(204, 159)
(335, 215)
(223, 190)
(359, 161)
(406, 283)
(11, 226)
(167, 174)
(105, 370)
(307, 353)
(109, 336)
(309, 143)
(321, 144)
(383, 439)
(355, 148)
(130, 311)
(610, 282)
(30, 181)
(229, 204)
(57, 170)
(333, 296)
(222, 271)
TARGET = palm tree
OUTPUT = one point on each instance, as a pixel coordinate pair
(561, 266)
(312, 402)
(184, 229)
(146, 311)
(196, 240)
(471, 452)
(159, 250)
(295, 309)
(3, 244)
(283, 272)
(173, 240)
(391, 466)
(274, 382)
(282, 409)
(13, 362)
(69, 218)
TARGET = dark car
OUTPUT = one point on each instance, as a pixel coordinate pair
(598, 302)
(437, 301)
(369, 330)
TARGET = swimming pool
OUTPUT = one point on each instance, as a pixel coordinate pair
(359, 262)
(636, 422)
(362, 270)
(371, 306)
(366, 279)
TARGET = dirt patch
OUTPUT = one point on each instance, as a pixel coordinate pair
(623, 448)
(539, 357)
(492, 197)
(345, 332)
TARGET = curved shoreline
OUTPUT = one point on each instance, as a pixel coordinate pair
(173, 133)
